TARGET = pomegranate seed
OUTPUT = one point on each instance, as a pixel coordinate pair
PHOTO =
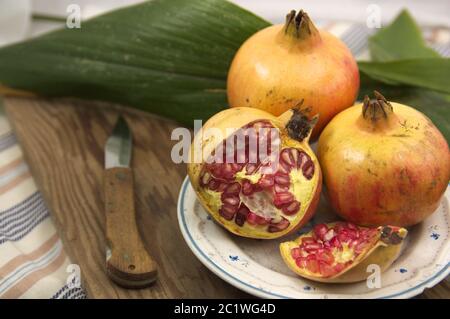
(247, 188)
(216, 170)
(339, 226)
(296, 252)
(283, 168)
(266, 181)
(236, 167)
(353, 234)
(359, 248)
(252, 218)
(213, 184)
(280, 199)
(354, 243)
(325, 256)
(233, 188)
(222, 187)
(311, 257)
(282, 225)
(280, 189)
(351, 226)
(312, 265)
(326, 270)
(335, 242)
(282, 179)
(262, 221)
(302, 159)
(251, 168)
(292, 208)
(320, 230)
(312, 247)
(329, 235)
(307, 240)
(308, 169)
(257, 188)
(228, 171)
(301, 262)
(232, 201)
(339, 267)
(287, 157)
(343, 237)
(294, 154)
(227, 212)
(241, 215)
(260, 124)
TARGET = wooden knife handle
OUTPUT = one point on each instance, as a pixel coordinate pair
(127, 262)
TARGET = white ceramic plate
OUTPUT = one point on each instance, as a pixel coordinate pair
(256, 267)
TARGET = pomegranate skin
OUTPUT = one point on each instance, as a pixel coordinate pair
(390, 172)
(274, 71)
(236, 118)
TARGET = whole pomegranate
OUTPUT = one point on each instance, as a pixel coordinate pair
(257, 175)
(292, 66)
(384, 163)
(341, 252)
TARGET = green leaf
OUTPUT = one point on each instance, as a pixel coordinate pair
(433, 104)
(402, 61)
(430, 73)
(402, 39)
(168, 57)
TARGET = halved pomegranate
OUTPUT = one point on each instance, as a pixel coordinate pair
(253, 193)
(341, 252)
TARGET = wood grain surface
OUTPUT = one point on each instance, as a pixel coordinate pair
(63, 141)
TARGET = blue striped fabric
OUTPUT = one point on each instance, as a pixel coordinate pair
(20, 219)
(29, 267)
(7, 140)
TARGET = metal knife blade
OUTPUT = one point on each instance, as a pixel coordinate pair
(118, 146)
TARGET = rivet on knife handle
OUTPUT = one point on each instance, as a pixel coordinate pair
(128, 263)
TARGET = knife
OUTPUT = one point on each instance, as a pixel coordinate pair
(127, 262)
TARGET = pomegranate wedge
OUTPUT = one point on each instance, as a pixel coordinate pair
(258, 178)
(341, 252)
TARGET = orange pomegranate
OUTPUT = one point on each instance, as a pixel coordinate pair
(384, 163)
(294, 66)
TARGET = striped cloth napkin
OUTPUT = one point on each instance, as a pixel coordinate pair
(33, 263)
(32, 260)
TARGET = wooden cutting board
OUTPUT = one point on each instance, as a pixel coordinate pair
(63, 141)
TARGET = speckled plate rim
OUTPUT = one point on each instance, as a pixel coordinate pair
(434, 279)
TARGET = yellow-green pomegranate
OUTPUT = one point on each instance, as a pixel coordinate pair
(240, 191)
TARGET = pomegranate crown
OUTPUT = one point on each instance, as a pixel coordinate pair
(299, 126)
(299, 25)
(376, 108)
